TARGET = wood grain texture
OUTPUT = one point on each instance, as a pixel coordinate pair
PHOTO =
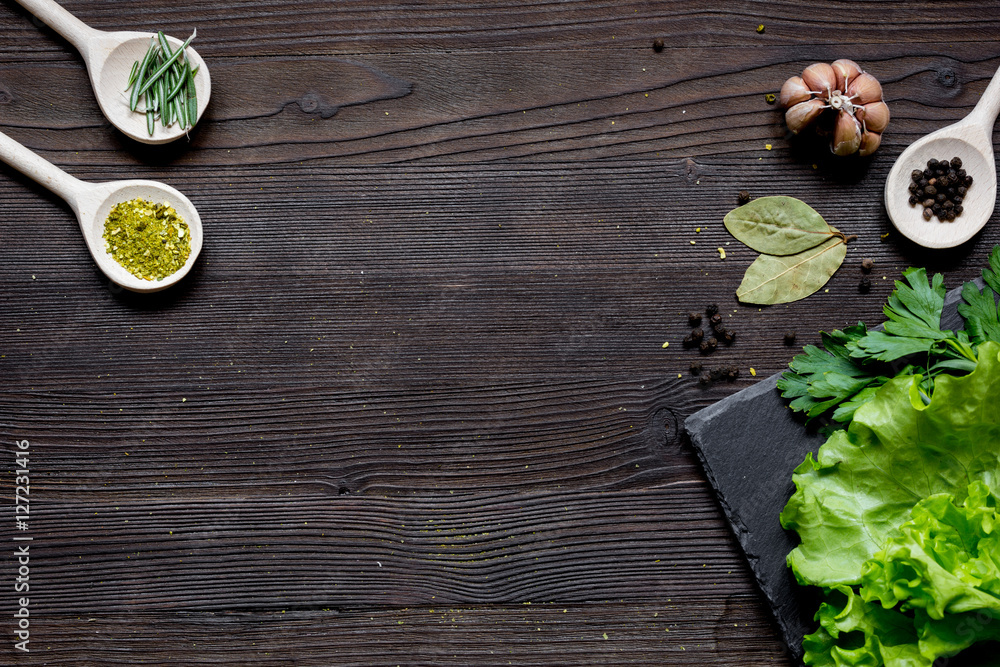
(416, 380)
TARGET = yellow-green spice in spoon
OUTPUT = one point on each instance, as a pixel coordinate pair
(150, 240)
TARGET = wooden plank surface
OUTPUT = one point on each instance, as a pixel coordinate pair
(412, 406)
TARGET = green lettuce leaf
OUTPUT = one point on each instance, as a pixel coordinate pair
(898, 523)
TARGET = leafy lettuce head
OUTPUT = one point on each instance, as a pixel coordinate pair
(898, 523)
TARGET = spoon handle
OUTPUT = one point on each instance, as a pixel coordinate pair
(41, 170)
(985, 113)
(73, 29)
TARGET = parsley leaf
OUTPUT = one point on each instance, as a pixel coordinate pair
(833, 381)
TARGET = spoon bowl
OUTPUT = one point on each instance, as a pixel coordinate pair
(95, 206)
(91, 202)
(109, 57)
(109, 62)
(977, 204)
(969, 139)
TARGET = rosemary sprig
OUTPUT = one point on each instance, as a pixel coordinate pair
(164, 81)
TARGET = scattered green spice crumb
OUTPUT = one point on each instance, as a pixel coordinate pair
(760, 28)
(151, 241)
(770, 98)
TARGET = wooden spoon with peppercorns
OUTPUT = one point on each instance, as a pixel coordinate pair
(91, 202)
(971, 141)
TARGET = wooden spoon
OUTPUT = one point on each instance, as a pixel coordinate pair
(93, 201)
(109, 57)
(971, 139)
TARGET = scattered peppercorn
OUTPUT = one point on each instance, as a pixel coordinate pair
(865, 285)
(689, 341)
(729, 373)
(698, 334)
(708, 346)
(658, 45)
(743, 197)
(696, 368)
(939, 188)
(716, 319)
(705, 380)
(694, 319)
(866, 265)
(789, 338)
(711, 309)
(727, 335)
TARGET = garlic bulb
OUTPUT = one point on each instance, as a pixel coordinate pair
(841, 100)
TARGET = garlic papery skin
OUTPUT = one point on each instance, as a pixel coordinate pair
(842, 102)
(846, 134)
(820, 78)
(793, 91)
(801, 115)
(865, 89)
(845, 71)
(869, 143)
(875, 116)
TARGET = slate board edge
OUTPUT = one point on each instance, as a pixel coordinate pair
(766, 389)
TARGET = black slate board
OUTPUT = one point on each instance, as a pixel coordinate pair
(748, 444)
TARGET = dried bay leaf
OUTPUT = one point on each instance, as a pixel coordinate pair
(778, 225)
(781, 279)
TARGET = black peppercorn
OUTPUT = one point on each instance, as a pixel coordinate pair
(727, 336)
(867, 264)
(716, 319)
(694, 319)
(743, 197)
(939, 188)
(658, 45)
(865, 285)
(689, 341)
(705, 380)
(695, 368)
(790, 338)
(708, 346)
(698, 334)
(711, 309)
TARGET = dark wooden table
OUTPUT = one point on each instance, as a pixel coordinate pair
(412, 406)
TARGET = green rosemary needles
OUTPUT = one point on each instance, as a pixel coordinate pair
(163, 82)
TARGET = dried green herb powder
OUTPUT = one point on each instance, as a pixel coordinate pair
(150, 240)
